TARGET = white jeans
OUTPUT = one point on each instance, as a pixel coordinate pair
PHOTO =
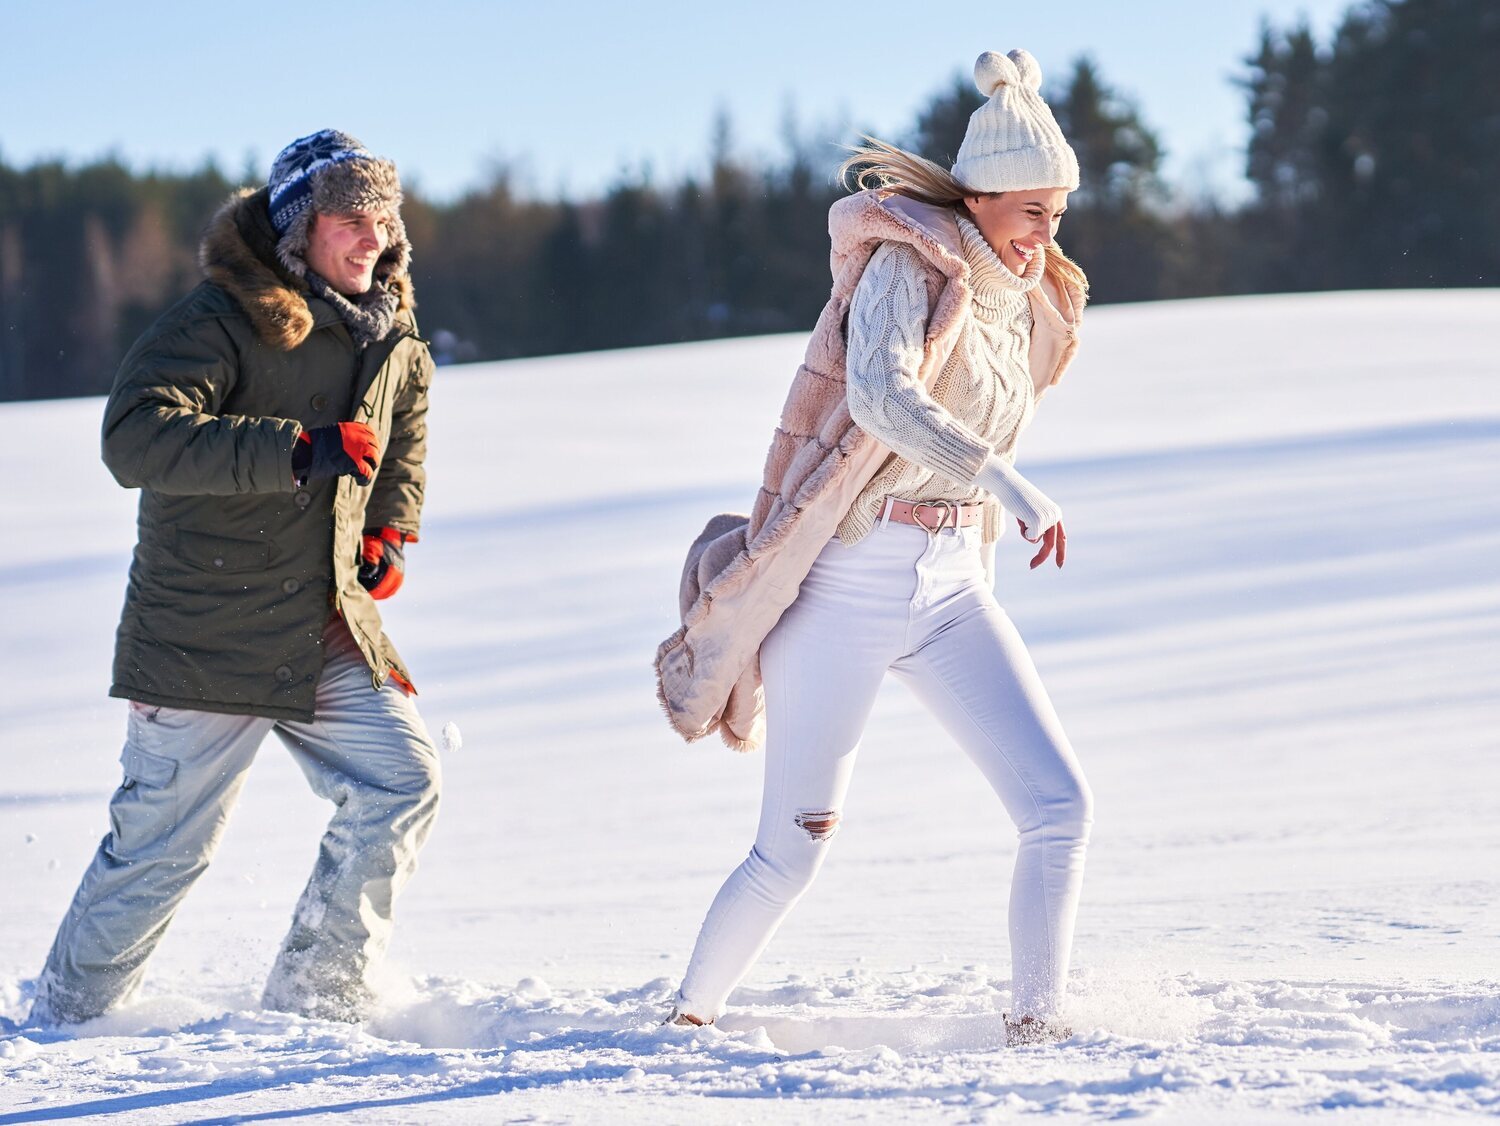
(368, 752)
(919, 606)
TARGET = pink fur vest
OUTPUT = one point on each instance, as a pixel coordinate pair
(743, 572)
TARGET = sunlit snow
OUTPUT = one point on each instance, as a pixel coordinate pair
(1274, 645)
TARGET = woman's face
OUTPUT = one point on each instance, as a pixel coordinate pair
(1016, 224)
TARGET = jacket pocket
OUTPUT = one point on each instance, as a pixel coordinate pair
(221, 554)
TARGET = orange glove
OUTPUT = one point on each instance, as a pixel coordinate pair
(332, 451)
(382, 565)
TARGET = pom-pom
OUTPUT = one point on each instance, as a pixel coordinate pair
(994, 70)
(1028, 68)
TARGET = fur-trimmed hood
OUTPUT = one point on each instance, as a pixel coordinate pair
(743, 572)
(238, 254)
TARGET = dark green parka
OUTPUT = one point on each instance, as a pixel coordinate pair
(237, 571)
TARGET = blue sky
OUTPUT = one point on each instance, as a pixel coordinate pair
(571, 94)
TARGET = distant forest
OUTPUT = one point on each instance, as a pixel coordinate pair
(1374, 161)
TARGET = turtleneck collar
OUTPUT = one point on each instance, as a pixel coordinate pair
(989, 277)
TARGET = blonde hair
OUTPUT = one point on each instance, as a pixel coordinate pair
(876, 164)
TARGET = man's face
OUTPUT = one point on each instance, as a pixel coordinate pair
(343, 249)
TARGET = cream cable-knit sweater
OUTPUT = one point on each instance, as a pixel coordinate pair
(978, 405)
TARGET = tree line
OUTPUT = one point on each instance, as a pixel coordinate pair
(1372, 162)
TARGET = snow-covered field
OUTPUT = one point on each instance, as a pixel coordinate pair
(1275, 646)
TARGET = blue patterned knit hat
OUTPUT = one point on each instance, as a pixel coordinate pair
(295, 166)
(332, 173)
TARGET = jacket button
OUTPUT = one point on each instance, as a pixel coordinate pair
(302, 499)
(320, 402)
(284, 673)
(218, 561)
(290, 586)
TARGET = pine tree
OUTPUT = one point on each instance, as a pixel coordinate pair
(1113, 226)
(1287, 240)
(1374, 161)
(1414, 103)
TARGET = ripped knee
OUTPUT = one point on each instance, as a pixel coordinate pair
(819, 824)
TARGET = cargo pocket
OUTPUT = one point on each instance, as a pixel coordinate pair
(143, 812)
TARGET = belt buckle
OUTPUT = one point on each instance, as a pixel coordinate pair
(949, 510)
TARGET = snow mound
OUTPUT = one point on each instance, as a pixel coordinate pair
(1185, 1045)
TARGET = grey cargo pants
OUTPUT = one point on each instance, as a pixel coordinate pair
(368, 752)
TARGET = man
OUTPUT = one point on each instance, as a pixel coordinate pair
(274, 420)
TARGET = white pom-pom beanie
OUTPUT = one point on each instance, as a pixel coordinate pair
(1013, 142)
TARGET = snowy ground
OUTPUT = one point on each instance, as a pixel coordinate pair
(1275, 646)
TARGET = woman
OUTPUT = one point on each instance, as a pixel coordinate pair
(871, 542)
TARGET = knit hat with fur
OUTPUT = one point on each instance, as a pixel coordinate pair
(331, 173)
(1013, 142)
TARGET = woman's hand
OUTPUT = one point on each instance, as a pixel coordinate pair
(1031, 507)
(1053, 538)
